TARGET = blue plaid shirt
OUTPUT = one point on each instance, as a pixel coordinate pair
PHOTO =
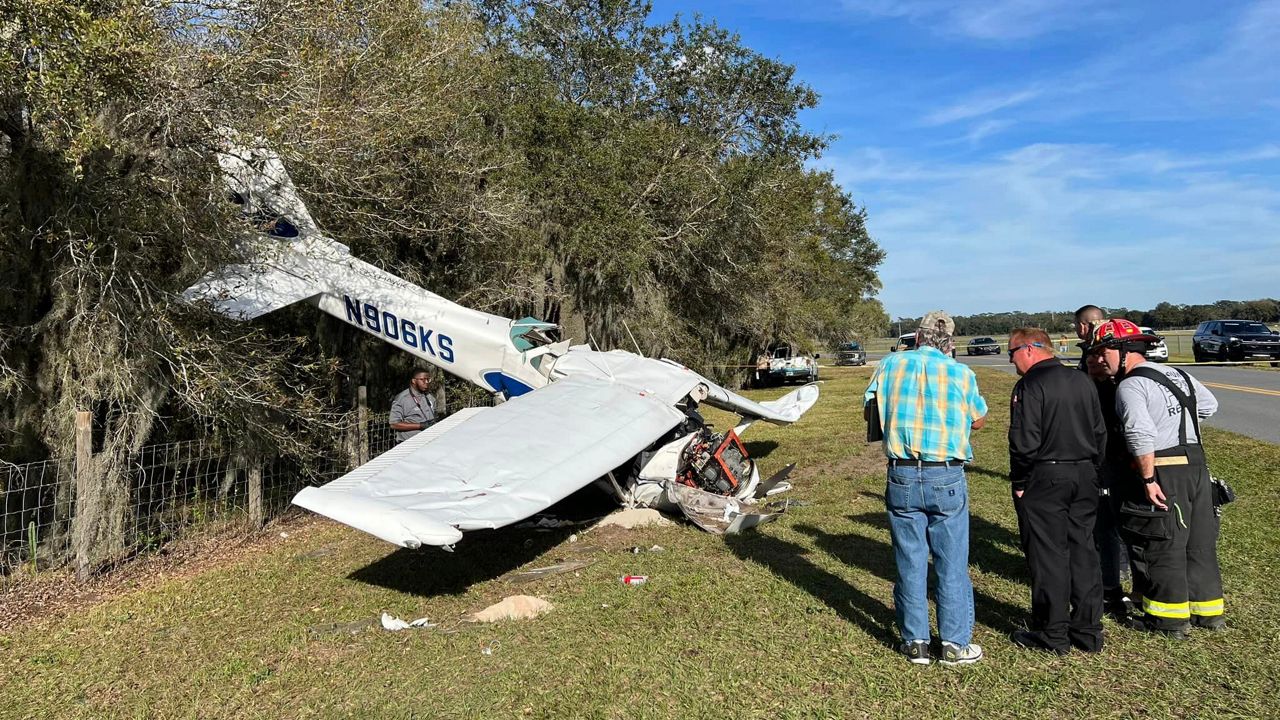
(927, 403)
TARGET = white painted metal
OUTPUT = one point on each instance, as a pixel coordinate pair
(574, 413)
(498, 466)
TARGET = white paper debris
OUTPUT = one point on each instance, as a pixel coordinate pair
(395, 624)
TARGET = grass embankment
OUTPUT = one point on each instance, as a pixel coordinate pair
(791, 620)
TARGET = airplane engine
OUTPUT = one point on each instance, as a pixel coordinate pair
(714, 462)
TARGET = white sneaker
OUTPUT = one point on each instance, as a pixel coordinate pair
(953, 654)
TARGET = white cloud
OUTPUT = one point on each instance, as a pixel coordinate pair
(1050, 226)
(1248, 63)
(979, 105)
(989, 20)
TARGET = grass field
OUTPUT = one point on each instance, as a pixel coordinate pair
(791, 620)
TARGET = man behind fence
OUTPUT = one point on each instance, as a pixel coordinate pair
(414, 410)
(928, 403)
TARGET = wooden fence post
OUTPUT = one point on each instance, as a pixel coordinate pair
(256, 517)
(82, 522)
(362, 419)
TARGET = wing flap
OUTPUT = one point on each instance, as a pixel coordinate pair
(497, 466)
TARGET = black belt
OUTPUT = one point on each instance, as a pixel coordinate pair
(900, 462)
(1063, 462)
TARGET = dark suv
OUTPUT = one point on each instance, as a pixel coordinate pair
(851, 353)
(1235, 340)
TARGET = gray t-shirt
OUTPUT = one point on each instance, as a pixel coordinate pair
(413, 407)
(1150, 413)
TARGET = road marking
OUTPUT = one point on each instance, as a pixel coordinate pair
(1242, 388)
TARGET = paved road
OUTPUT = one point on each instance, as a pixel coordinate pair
(1248, 398)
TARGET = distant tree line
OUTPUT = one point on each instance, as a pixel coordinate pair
(1164, 316)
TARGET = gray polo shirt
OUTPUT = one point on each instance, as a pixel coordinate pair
(1150, 413)
(410, 406)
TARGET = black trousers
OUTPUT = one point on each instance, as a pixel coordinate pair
(1175, 551)
(1113, 551)
(1055, 519)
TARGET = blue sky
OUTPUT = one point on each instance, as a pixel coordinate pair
(1042, 154)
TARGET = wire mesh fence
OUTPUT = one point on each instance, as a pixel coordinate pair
(173, 487)
(35, 507)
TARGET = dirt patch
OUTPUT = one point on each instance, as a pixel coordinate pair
(53, 594)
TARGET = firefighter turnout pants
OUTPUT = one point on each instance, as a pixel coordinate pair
(1056, 514)
(1174, 552)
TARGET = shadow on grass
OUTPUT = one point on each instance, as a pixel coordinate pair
(876, 556)
(988, 545)
(760, 448)
(984, 472)
(787, 560)
(482, 554)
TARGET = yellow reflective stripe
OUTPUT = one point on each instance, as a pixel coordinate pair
(1176, 611)
(1207, 608)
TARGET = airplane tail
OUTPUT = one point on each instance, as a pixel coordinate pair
(288, 259)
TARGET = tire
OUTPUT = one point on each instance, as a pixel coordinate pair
(1196, 354)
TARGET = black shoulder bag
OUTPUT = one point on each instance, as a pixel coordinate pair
(871, 412)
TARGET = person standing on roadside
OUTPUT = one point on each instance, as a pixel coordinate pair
(414, 409)
(927, 404)
(1057, 438)
(1115, 472)
(1168, 516)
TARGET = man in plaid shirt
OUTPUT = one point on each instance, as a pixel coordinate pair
(928, 403)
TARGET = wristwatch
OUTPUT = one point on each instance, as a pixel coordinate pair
(1150, 481)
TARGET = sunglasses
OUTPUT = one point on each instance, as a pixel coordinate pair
(1016, 348)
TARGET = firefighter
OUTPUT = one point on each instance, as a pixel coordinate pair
(1167, 515)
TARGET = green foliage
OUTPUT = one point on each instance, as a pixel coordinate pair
(571, 160)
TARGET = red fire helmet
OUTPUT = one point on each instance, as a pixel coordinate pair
(1116, 332)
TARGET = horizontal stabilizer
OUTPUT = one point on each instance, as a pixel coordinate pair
(246, 291)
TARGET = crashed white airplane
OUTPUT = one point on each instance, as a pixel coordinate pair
(572, 415)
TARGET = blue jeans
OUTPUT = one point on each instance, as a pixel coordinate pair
(929, 515)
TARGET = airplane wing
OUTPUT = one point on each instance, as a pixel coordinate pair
(783, 411)
(495, 466)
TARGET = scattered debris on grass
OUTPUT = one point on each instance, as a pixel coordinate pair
(525, 576)
(395, 624)
(546, 522)
(516, 607)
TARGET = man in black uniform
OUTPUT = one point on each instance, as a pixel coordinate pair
(1114, 474)
(1057, 438)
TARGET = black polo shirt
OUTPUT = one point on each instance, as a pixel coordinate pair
(1054, 416)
